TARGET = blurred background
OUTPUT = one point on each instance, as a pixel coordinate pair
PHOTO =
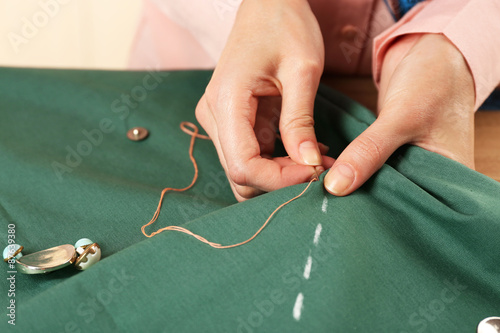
(67, 33)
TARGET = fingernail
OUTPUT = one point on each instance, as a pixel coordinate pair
(318, 170)
(339, 179)
(309, 153)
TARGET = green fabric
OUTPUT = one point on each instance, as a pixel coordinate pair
(416, 249)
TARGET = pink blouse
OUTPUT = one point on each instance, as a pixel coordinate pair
(191, 34)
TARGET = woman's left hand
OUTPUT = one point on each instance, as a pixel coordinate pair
(426, 98)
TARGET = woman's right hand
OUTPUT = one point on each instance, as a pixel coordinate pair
(267, 76)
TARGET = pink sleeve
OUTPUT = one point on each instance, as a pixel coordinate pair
(473, 26)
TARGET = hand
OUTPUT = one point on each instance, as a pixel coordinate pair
(268, 75)
(426, 98)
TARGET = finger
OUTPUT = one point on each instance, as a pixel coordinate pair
(241, 150)
(297, 121)
(206, 120)
(242, 193)
(323, 148)
(363, 157)
(327, 162)
(266, 122)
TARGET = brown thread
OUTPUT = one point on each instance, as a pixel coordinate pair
(194, 134)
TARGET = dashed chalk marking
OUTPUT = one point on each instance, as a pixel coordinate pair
(324, 206)
(297, 308)
(317, 233)
(307, 269)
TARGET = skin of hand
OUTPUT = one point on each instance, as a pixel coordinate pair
(426, 98)
(267, 76)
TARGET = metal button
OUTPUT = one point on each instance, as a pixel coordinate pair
(137, 133)
(47, 260)
(489, 325)
(88, 255)
(349, 32)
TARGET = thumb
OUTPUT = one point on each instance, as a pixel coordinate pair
(297, 119)
(363, 157)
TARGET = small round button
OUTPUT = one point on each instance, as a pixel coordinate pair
(137, 133)
(83, 242)
(349, 32)
(12, 252)
(88, 255)
(489, 325)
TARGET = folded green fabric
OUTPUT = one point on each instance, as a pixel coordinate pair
(416, 249)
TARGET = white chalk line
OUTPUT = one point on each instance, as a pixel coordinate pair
(317, 233)
(307, 269)
(297, 308)
(324, 206)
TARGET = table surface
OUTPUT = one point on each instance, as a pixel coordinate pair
(487, 123)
